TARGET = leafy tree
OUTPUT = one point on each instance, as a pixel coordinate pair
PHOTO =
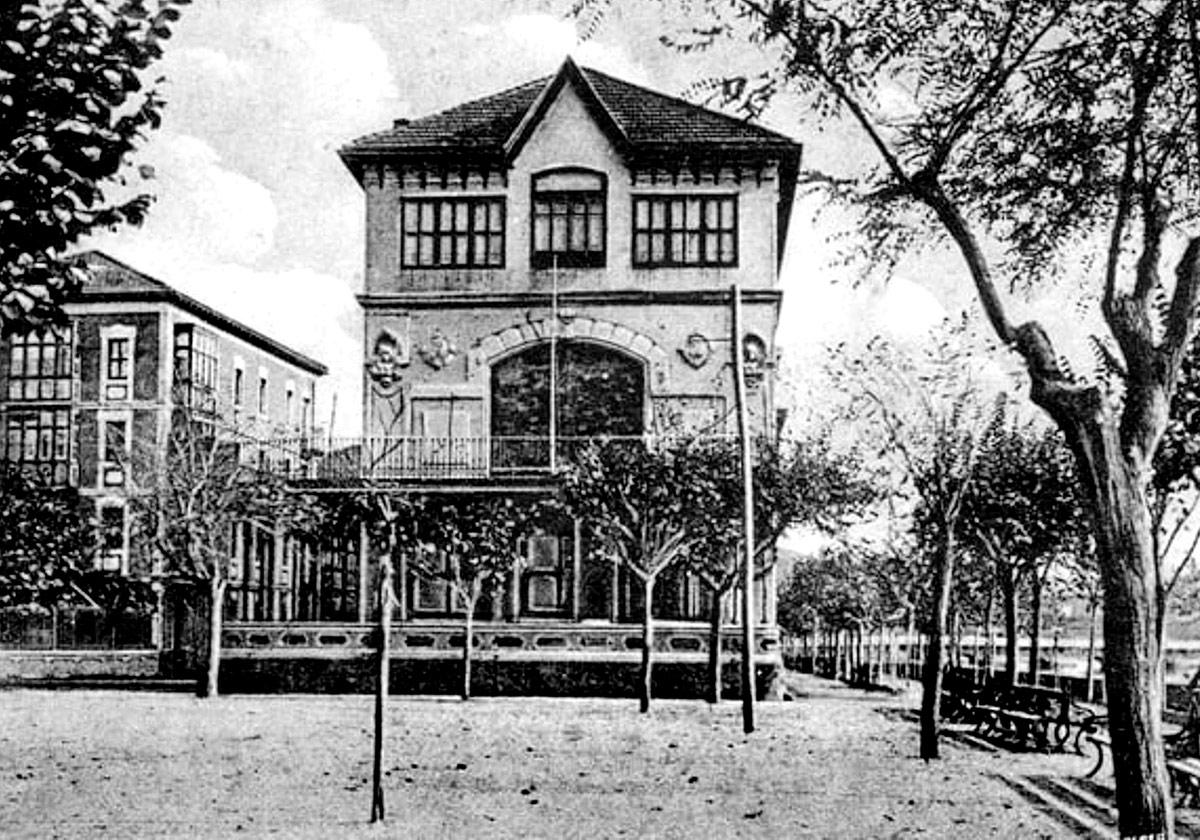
(44, 557)
(637, 504)
(73, 109)
(799, 483)
(1027, 135)
(196, 494)
(930, 420)
(472, 545)
(1024, 514)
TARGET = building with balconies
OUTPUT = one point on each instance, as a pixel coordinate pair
(90, 404)
(548, 265)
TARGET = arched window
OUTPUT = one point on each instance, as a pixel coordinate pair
(599, 392)
(569, 227)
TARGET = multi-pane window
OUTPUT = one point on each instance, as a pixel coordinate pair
(685, 231)
(196, 367)
(40, 441)
(39, 365)
(118, 358)
(452, 232)
(568, 219)
(111, 556)
(116, 437)
(545, 574)
(196, 358)
(117, 344)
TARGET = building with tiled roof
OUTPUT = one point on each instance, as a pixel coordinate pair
(79, 400)
(548, 265)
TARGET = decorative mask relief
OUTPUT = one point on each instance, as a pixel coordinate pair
(388, 357)
(438, 351)
(754, 354)
(696, 350)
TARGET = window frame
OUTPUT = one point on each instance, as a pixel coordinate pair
(60, 379)
(668, 231)
(112, 559)
(437, 236)
(112, 472)
(263, 399)
(559, 574)
(117, 388)
(569, 258)
(58, 433)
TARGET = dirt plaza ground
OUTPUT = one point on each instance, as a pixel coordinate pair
(835, 762)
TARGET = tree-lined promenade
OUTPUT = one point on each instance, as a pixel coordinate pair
(838, 763)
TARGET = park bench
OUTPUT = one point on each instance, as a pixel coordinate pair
(1033, 716)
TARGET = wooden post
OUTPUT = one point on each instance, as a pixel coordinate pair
(739, 378)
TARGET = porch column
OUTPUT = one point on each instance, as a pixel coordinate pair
(364, 587)
(277, 574)
(576, 568)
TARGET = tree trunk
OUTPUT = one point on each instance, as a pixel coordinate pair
(378, 811)
(468, 634)
(1035, 629)
(646, 674)
(1008, 582)
(1133, 669)
(910, 640)
(989, 631)
(1091, 654)
(931, 699)
(714, 648)
(216, 608)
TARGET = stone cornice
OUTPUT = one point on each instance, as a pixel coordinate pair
(499, 300)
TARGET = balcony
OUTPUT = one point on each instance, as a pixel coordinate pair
(349, 460)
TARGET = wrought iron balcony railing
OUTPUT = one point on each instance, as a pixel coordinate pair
(426, 458)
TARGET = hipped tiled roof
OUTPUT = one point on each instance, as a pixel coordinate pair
(112, 280)
(637, 120)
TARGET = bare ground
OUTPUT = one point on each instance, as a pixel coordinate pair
(834, 763)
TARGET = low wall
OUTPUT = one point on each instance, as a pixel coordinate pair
(489, 677)
(33, 666)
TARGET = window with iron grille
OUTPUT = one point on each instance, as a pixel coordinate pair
(452, 232)
(39, 365)
(568, 219)
(684, 231)
(40, 441)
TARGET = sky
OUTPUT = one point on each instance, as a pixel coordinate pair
(256, 215)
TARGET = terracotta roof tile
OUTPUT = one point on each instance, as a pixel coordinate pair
(643, 117)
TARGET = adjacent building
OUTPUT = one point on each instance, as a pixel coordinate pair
(90, 404)
(547, 265)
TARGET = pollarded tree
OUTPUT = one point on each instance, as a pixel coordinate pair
(73, 109)
(471, 545)
(796, 483)
(638, 504)
(1022, 133)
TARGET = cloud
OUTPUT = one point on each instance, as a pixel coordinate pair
(548, 39)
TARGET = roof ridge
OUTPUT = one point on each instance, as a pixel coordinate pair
(743, 122)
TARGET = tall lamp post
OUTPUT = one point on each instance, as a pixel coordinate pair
(739, 380)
